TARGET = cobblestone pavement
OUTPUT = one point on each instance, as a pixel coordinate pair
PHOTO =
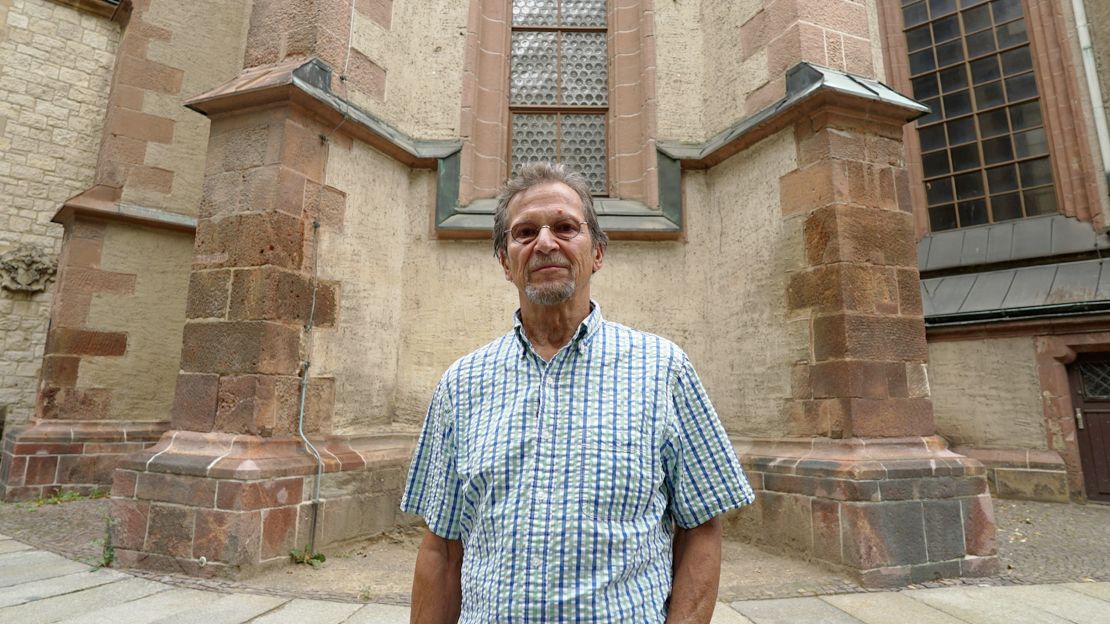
(1038, 543)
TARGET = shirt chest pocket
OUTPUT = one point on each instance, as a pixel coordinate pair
(617, 478)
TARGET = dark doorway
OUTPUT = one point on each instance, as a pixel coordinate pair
(1090, 386)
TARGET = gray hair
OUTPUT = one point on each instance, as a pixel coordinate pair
(534, 174)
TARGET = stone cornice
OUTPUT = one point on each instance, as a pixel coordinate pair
(809, 88)
(103, 202)
(307, 83)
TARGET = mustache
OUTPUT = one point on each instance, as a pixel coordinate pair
(539, 260)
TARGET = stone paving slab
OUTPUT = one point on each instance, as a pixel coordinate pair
(146, 609)
(1097, 590)
(301, 611)
(227, 609)
(10, 546)
(379, 614)
(32, 565)
(1058, 600)
(56, 586)
(725, 614)
(976, 605)
(70, 605)
(793, 611)
(885, 607)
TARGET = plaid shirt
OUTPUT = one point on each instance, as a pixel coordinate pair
(563, 479)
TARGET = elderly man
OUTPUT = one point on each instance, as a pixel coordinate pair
(573, 469)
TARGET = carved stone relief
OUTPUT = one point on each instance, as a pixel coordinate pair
(26, 268)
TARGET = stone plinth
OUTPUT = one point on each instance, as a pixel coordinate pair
(217, 504)
(51, 456)
(887, 512)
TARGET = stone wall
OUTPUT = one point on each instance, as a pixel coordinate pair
(407, 55)
(986, 392)
(410, 305)
(54, 78)
(171, 51)
(151, 315)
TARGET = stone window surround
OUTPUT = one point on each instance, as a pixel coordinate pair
(1074, 168)
(640, 206)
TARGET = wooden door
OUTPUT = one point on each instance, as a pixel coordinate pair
(1090, 384)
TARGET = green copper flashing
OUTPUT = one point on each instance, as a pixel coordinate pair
(614, 215)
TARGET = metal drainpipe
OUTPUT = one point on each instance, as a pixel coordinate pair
(304, 390)
(1088, 53)
(325, 138)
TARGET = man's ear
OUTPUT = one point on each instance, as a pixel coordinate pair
(599, 257)
(503, 258)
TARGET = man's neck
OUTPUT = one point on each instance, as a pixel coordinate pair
(550, 328)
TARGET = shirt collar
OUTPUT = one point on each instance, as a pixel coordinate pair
(586, 330)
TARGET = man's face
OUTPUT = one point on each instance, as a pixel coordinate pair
(549, 270)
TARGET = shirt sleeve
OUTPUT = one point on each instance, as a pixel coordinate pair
(704, 477)
(433, 489)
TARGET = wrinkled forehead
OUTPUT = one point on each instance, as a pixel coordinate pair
(550, 200)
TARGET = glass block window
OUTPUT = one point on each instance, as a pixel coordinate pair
(559, 85)
(983, 148)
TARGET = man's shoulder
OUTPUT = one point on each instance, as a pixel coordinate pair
(637, 340)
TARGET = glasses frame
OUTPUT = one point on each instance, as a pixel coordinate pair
(548, 226)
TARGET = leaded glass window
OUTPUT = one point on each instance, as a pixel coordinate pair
(1096, 380)
(984, 152)
(559, 85)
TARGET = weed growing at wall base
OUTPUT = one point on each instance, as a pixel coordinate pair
(305, 555)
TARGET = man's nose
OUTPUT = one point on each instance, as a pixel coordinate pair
(546, 241)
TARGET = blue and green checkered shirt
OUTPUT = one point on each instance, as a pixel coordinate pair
(564, 479)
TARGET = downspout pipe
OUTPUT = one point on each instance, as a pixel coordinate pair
(1087, 52)
(304, 393)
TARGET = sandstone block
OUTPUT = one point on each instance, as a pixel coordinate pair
(129, 521)
(70, 341)
(227, 536)
(230, 347)
(208, 294)
(194, 401)
(882, 534)
(839, 233)
(866, 337)
(170, 530)
(239, 495)
(176, 488)
(250, 239)
(279, 531)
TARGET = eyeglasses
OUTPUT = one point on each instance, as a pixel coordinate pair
(525, 233)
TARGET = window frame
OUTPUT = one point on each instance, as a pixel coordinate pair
(1065, 118)
(644, 184)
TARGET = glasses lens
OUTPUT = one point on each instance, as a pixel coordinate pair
(566, 230)
(524, 233)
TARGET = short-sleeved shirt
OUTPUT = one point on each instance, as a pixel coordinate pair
(564, 479)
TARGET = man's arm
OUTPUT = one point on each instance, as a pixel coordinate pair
(437, 584)
(697, 572)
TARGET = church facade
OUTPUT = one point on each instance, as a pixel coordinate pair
(244, 239)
